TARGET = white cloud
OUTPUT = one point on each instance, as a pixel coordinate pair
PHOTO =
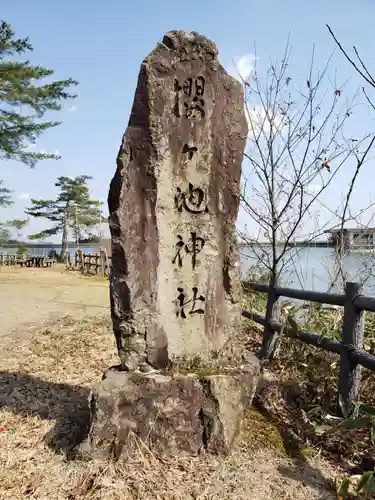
(72, 109)
(260, 122)
(313, 189)
(23, 196)
(243, 66)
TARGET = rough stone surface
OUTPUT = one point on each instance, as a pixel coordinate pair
(170, 413)
(173, 203)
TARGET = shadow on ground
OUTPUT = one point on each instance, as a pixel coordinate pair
(66, 404)
(294, 444)
(300, 469)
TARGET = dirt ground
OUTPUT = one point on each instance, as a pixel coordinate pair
(56, 342)
(30, 297)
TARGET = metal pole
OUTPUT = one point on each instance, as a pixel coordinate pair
(77, 228)
(100, 224)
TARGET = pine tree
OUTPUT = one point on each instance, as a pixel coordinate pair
(5, 235)
(21, 90)
(5, 196)
(5, 201)
(24, 102)
(72, 211)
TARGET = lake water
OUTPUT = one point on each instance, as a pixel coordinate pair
(310, 268)
(313, 268)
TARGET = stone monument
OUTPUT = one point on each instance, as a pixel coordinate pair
(175, 286)
(173, 203)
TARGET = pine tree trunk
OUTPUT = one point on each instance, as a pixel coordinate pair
(64, 241)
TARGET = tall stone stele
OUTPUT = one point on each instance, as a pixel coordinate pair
(175, 287)
(173, 202)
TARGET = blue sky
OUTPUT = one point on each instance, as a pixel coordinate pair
(102, 43)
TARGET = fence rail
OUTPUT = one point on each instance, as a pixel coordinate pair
(351, 351)
(360, 301)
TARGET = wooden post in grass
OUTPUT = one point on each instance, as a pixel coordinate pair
(81, 261)
(270, 336)
(97, 262)
(352, 336)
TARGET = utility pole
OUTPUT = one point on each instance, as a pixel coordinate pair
(77, 228)
(65, 233)
(100, 225)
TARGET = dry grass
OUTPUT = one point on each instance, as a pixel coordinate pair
(28, 297)
(44, 384)
(316, 374)
(43, 392)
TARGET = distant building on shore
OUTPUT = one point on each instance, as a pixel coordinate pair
(352, 239)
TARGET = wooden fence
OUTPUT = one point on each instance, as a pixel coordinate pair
(350, 348)
(90, 263)
(11, 259)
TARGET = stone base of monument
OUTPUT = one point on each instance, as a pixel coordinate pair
(173, 413)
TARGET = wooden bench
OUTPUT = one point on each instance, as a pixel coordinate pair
(36, 262)
(25, 262)
(33, 261)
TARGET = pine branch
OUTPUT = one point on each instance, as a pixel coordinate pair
(20, 88)
(5, 196)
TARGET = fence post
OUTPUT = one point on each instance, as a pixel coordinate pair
(270, 336)
(107, 266)
(67, 259)
(102, 272)
(79, 259)
(352, 336)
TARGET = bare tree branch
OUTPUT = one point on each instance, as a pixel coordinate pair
(365, 75)
(297, 147)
